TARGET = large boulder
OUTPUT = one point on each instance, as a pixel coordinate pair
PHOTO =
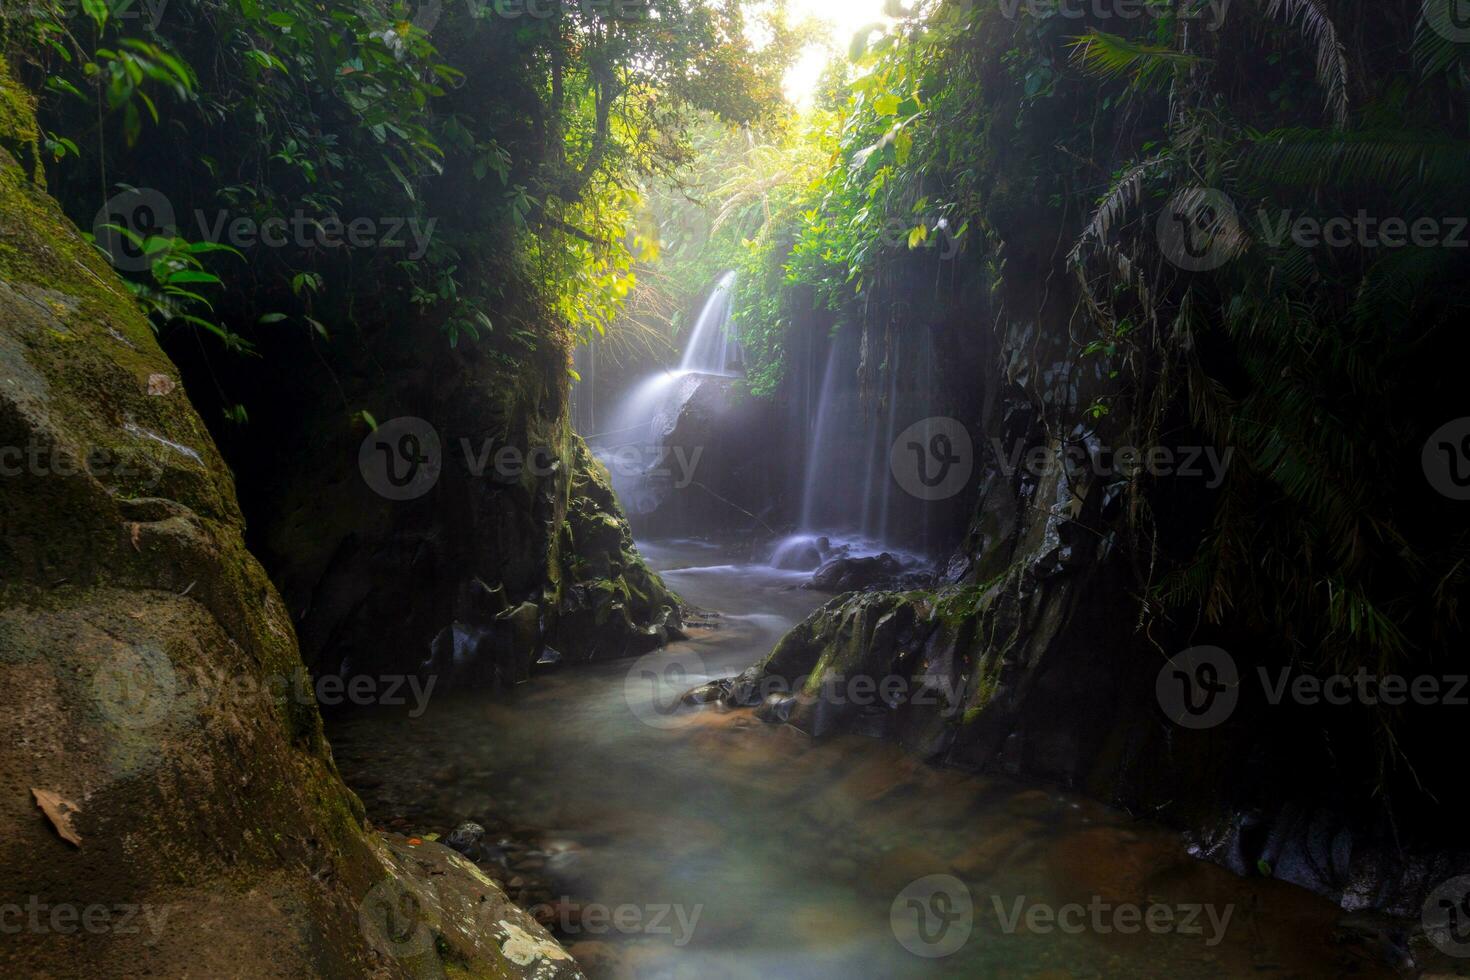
(709, 470)
(168, 804)
(847, 574)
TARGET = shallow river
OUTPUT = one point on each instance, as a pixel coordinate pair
(704, 844)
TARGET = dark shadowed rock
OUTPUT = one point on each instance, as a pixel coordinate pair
(466, 839)
(853, 574)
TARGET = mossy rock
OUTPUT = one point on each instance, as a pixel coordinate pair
(147, 661)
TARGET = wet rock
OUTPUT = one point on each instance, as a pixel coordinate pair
(853, 574)
(128, 592)
(461, 910)
(776, 708)
(479, 604)
(713, 467)
(467, 839)
(524, 624)
(804, 557)
(717, 690)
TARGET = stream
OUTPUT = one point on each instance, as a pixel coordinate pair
(703, 843)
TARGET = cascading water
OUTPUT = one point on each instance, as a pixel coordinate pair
(817, 461)
(848, 503)
(638, 424)
(713, 347)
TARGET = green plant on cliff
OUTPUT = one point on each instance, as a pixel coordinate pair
(1297, 352)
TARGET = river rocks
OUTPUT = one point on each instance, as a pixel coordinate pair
(517, 543)
(716, 690)
(851, 574)
(802, 552)
(608, 604)
(466, 839)
(776, 708)
(847, 658)
(440, 900)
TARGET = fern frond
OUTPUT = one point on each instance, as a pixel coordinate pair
(1147, 66)
(1319, 31)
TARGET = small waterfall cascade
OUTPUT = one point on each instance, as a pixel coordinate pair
(819, 460)
(851, 504)
(712, 347)
(630, 435)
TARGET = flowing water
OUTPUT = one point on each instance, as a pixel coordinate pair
(724, 847)
(712, 347)
(637, 424)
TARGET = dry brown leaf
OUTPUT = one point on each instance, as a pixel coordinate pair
(59, 811)
(160, 384)
(135, 531)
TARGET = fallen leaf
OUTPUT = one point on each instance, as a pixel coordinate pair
(59, 811)
(160, 384)
(135, 532)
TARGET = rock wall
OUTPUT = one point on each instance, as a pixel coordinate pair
(168, 804)
(510, 549)
(1035, 656)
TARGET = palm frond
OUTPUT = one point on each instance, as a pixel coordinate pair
(1320, 32)
(1147, 66)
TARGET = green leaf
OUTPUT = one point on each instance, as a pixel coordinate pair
(190, 275)
(97, 10)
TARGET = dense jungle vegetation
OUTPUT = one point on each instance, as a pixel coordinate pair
(546, 150)
(1043, 149)
(1128, 184)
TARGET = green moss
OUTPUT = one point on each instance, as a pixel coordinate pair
(18, 127)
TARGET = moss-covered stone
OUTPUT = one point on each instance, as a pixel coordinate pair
(146, 660)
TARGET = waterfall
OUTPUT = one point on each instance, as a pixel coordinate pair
(817, 445)
(848, 502)
(712, 347)
(635, 428)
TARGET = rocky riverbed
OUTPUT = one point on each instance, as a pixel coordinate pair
(696, 841)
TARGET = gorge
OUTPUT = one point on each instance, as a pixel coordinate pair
(680, 489)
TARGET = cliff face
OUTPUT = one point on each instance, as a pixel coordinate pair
(168, 803)
(1044, 649)
(465, 536)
